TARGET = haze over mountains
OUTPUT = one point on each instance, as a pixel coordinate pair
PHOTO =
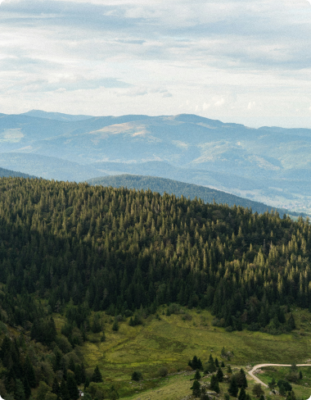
(270, 165)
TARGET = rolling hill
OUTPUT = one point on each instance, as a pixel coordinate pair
(161, 185)
(5, 173)
(270, 165)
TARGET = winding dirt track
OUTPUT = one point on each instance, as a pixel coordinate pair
(252, 371)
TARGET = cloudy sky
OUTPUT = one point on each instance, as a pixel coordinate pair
(246, 61)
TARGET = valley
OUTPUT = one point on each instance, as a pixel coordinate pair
(267, 165)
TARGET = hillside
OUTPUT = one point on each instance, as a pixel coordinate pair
(126, 280)
(269, 164)
(146, 250)
(161, 185)
(5, 173)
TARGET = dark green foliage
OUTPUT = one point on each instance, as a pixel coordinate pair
(71, 243)
(291, 322)
(272, 384)
(284, 384)
(27, 389)
(29, 373)
(136, 376)
(220, 375)
(136, 320)
(196, 389)
(96, 377)
(63, 391)
(44, 331)
(97, 324)
(241, 379)
(72, 388)
(257, 390)
(233, 388)
(19, 392)
(197, 375)
(242, 394)
(210, 366)
(290, 395)
(188, 190)
(115, 326)
(300, 375)
(55, 387)
(222, 365)
(215, 384)
(216, 363)
(113, 394)
(196, 363)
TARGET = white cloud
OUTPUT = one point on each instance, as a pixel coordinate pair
(158, 57)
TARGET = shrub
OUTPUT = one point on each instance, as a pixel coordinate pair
(115, 326)
(163, 372)
(137, 376)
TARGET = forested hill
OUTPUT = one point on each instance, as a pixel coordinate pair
(118, 250)
(6, 173)
(169, 186)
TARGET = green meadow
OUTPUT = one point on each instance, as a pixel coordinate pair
(171, 341)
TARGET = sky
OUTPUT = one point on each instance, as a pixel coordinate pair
(244, 61)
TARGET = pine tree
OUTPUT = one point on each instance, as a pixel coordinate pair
(220, 375)
(291, 322)
(72, 388)
(83, 375)
(30, 373)
(214, 384)
(55, 387)
(63, 391)
(196, 389)
(233, 388)
(96, 377)
(197, 375)
(27, 389)
(242, 394)
(19, 393)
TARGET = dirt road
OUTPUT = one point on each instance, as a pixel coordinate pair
(252, 371)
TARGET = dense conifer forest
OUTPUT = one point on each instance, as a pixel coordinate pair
(120, 250)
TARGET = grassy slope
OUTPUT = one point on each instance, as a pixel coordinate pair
(302, 389)
(169, 186)
(171, 342)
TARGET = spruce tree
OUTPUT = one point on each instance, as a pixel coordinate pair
(196, 389)
(242, 394)
(72, 388)
(233, 388)
(30, 373)
(197, 375)
(27, 389)
(96, 377)
(55, 387)
(19, 392)
(63, 391)
(214, 384)
(219, 375)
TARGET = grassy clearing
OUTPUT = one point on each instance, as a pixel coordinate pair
(172, 341)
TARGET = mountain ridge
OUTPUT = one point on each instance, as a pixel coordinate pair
(270, 165)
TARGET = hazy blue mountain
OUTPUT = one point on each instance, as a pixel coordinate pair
(179, 189)
(47, 167)
(6, 173)
(56, 116)
(270, 164)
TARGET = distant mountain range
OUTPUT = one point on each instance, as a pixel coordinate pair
(161, 185)
(269, 165)
(5, 173)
